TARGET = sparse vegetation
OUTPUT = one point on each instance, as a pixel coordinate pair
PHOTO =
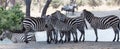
(11, 18)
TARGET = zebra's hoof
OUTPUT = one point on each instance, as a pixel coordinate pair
(76, 41)
(48, 42)
(96, 41)
(83, 40)
(113, 40)
(26, 41)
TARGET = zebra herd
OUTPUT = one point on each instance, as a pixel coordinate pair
(59, 24)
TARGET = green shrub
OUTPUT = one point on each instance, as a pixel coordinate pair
(11, 19)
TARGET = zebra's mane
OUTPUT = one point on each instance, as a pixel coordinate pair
(88, 12)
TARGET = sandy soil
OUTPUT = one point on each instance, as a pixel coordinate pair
(80, 45)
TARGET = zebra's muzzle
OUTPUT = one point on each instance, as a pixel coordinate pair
(1, 39)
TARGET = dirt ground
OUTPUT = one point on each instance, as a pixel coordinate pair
(71, 45)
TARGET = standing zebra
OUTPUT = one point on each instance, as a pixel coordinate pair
(73, 21)
(69, 8)
(32, 24)
(17, 37)
(60, 26)
(102, 23)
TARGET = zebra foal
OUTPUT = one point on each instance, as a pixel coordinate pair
(17, 37)
(77, 22)
(102, 23)
(62, 27)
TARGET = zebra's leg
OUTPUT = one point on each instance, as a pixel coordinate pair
(96, 34)
(25, 34)
(81, 29)
(65, 37)
(48, 36)
(75, 35)
(61, 36)
(80, 37)
(118, 36)
(116, 31)
(52, 35)
(26, 41)
(56, 36)
(69, 36)
(73, 10)
(83, 34)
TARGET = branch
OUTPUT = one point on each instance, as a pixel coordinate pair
(45, 8)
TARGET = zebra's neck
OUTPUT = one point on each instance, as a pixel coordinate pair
(9, 36)
(89, 18)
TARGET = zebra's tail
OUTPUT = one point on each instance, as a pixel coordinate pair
(119, 24)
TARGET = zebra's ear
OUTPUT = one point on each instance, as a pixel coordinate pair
(84, 10)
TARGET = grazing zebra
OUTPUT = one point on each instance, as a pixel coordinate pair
(102, 23)
(69, 8)
(60, 26)
(80, 22)
(17, 37)
(32, 24)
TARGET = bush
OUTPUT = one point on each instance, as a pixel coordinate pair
(11, 19)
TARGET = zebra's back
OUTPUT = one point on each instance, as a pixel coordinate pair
(20, 37)
(105, 22)
(36, 24)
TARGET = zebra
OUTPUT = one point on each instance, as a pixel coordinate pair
(60, 26)
(102, 23)
(80, 22)
(69, 8)
(17, 37)
(32, 24)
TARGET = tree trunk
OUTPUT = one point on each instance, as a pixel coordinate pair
(28, 3)
(45, 8)
(0, 3)
(12, 2)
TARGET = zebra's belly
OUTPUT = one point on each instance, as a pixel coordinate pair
(62, 28)
(103, 27)
(40, 29)
(100, 26)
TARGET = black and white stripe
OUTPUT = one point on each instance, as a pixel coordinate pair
(102, 22)
(17, 37)
(77, 22)
(33, 24)
(62, 27)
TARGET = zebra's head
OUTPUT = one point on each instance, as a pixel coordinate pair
(59, 15)
(50, 20)
(86, 13)
(5, 34)
(47, 20)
